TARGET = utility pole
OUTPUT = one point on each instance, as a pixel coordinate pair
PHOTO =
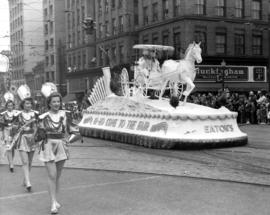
(223, 65)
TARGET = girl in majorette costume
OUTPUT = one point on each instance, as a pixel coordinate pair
(26, 144)
(53, 150)
(8, 123)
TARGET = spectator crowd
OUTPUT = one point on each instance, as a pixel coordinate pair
(252, 108)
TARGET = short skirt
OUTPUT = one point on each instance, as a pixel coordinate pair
(27, 143)
(54, 150)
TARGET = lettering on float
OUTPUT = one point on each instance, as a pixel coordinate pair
(118, 123)
(218, 128)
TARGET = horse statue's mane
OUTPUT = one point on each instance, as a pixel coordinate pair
(190, 46)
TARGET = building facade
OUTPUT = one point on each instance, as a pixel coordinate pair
(80, 48)
(54, 43)
(236, 31)
(26, 38)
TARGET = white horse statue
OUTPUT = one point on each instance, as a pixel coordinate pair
(182, 71)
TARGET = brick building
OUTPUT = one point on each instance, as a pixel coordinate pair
(26, 38)
(235, 31)
(54, 42)
(80, 48)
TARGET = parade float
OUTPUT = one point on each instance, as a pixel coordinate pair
(138, 119)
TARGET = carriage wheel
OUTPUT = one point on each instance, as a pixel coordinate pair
(140, 84)
(125, 82)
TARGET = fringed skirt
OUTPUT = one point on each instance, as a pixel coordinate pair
(54, 150)
(27, 143)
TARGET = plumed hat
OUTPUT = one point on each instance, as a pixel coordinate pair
(24, 92)
(48, 88)
(8, 96)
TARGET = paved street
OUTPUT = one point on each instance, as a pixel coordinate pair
(111, 178)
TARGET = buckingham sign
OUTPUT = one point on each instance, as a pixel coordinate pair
(231, 73)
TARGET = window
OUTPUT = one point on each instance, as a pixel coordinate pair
(177, 43)
(145, 39)
(51, 10)
(51, 27)
(68, 4)
(257, 44)
(46, 29)
(121, 24)
(46, 45)
(78, 37)
(100, 29)
(136, 19)
(120, 3)
(78, 17)
(220, 9)
(106, 6)
(47, 61)
(113, 27)
(145, 15)
(176, 7)
(200, 36)
(200, 7)
(155, 38)
(221, 43)
(114, 54)
(84, 60)
(51, 43)
(113, 4)
(165, 38)
(47, 76)
(256, 9)
(99, 8)
(165, 6)
(106, 29)
(79, 61)
(52, 75)
(239, 8)
(155, 12)
(45, 12)
(83, 12)
(52, 59)
(68, 21)
(100, 58)
(121, 53)
(239, 44)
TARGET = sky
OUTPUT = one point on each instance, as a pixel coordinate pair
(4, 25)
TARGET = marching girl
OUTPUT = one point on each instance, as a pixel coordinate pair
(8, 119)
(26, 144)
(53, 151)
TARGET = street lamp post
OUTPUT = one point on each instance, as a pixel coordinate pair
(223, 65)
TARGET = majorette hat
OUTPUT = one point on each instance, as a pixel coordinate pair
(24, 92)
(8, 96)
(48, 88)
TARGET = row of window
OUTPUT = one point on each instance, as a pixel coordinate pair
(75, 19)
(77, 61)
(76, 39)
(221, 42)
(17, 36)
(50, 76)
(16, 23)
(18, 74)
(18, 48)
(45, 11)
(113, 5)
(48, 28)
(111, 54)
(49, 60)
(15, 11)
(49, 44)
(18, 61)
